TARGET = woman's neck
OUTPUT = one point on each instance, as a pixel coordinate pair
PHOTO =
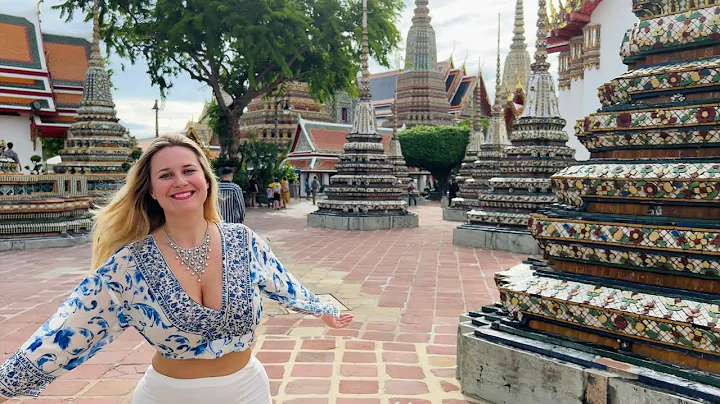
(187, 232)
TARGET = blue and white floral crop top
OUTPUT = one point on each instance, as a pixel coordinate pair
(135, 288)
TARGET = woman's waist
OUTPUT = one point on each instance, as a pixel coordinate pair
(225, 365)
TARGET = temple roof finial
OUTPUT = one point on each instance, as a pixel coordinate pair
(95, 57)
(365, 80)
(518, 41)
(497, 69)
(541, 64)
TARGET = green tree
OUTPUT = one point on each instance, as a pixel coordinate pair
(51, 147)
(484, 124)
(246, 48)
(438, 149)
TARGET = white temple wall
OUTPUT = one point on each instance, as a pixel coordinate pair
(16, 129)
(615, 17)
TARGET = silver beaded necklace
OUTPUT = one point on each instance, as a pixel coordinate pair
(196, 258)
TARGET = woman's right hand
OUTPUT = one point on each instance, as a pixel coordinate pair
(3, 399)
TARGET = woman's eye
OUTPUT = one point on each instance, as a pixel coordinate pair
(166, 175)
(190, 171)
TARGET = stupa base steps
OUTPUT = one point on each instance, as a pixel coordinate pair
(51, 241)
(455, 214)
(493, 358)
(363, 222)
(495, 238)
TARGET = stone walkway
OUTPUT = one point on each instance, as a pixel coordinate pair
(405, 287)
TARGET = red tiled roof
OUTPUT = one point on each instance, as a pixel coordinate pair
(68, 100)
(15, 43)
(66, 61)
(331, 140)
(299, 163)
(326, 165)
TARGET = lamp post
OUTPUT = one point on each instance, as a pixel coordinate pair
(286, 110)
(157, 109)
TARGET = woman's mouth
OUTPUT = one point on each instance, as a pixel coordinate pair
(183, 195)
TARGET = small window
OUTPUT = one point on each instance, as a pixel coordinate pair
(344, 114)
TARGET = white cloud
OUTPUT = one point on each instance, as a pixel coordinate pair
(138, 115)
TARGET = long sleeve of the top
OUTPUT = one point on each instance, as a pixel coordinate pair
(279, 284)
(241, 203)
(84, 324)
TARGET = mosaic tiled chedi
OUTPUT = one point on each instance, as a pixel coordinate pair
(672, 321)
(522, 185)
(634, 242)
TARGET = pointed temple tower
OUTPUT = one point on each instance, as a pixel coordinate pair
(516, 71)
(469, 188)
(491, 151)
(364, 194)
(96, 142)
(523, 184)
(421, 95)
(395, 156)
(626, 306)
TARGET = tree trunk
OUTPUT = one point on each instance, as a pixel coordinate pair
(442, 176)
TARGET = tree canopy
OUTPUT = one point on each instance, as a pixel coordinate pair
(244, 49)
(438, 149)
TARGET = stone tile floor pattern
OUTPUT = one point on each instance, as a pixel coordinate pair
(406, 288)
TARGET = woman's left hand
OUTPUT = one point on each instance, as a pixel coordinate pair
(338, 322)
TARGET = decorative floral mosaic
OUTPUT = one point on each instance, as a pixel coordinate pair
(675, 171)
(638, 260)
(552, 135)
(670, 137)
(654, 118)
(669, 320)
(681, 76)
(479, 217)
(540, 151)
(701, 241)
(522, 184)
(692, 182)
(693, 27)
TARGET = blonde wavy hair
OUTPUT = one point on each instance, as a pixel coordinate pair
(132, 213)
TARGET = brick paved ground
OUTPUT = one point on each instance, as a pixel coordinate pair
(406, 289)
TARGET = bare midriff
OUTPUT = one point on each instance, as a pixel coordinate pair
(199, 368)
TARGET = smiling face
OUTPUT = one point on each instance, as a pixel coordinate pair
(178, 182)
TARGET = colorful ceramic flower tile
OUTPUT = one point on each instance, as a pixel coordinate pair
(670, 31)
(670, 137)
(659, 238)
(637, 260)
(687, 324)
(479, 217)
(680, 76)
(656, 118)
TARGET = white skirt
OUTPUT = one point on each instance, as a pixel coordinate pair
(250, 385)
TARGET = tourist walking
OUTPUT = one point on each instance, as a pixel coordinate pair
(315, 188)
(412, 190)
(254, 190)
(165, 264)
(11, 154)
(307, 188)
(453, 189)
(270, 196)
(232, 201)
(285, 192)
(277, 194)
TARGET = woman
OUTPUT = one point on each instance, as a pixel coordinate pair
(285, 192)
(190, 284)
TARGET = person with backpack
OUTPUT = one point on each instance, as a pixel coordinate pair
(315, 188)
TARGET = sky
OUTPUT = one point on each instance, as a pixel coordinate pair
(464, 29)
